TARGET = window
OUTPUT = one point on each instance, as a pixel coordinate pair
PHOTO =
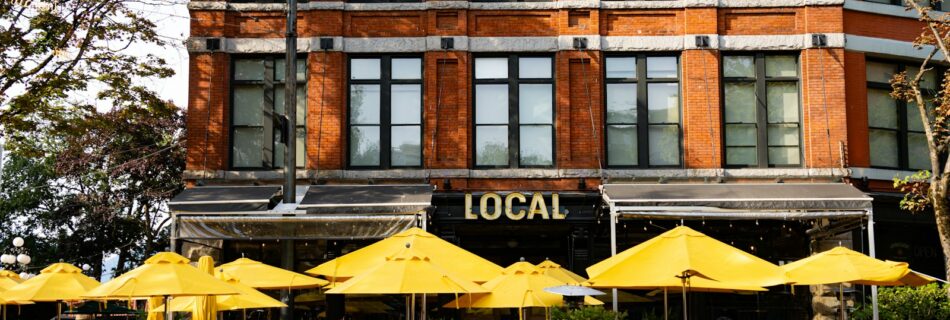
(894, 127)
(643, 111)
(936, 4)
(514, 111)
(257, 100)
(761, 110)
(385, 120)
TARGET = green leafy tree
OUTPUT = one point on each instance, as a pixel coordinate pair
(908, 303)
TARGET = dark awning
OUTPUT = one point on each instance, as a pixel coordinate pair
(226, 199)
(347, 199)
(269, 226)
(827, 199)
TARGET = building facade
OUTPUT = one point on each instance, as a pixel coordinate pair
(557, 130)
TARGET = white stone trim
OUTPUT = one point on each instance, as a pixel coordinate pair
(689, 41)
(550, 5)
(567, 42)
(776, 3)
(578, 4)
(626, 174)
(434, 43)
(888, 47)
(653, 4)
(447, 4)
(642, 43)
(777, 42)
(385, 6)
(513, 44)
(879, 174)
(379, 45)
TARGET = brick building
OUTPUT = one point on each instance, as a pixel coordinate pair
(765, 123)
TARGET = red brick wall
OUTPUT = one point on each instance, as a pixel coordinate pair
(207, 116)
(881, 26)
(824, 115)
(858, 152)
(702, 143)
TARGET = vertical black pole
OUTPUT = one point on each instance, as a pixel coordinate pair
(287, 262)
(290, 105)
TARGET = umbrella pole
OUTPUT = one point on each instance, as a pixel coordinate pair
(423, 311)
(666, 308)
(59, 310)
(168, 311)
(413, 308)
(844, 312)
(408, 310)
(685, 315)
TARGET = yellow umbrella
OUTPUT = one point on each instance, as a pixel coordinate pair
(55, 283)
(555, 270)
(441, 253)
(8, 279)
(520, 286)
(204, 307)
(154, 303)
(247, 298)
(261, 276)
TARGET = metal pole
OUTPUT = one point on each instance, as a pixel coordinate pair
(613, 248)
(287, 262)
(169, 315)
(872, 253)
(290, 105)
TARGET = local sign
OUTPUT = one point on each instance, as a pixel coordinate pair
(514, 206)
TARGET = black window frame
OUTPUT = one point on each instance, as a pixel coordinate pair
(385, 125)
(903, 130)
(514, 126)
(761, 104)
(270, 128)
(643, 118)
(935, 5)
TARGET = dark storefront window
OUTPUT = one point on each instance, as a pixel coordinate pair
(761, 110)
(895, 131)
(643, 111)
(514, 111)
(257, 100)
(385, 113)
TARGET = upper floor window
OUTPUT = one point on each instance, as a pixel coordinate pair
(643, 111)
(936, 4)
(257, 100)
(761, 110)
(385, 114)
(896, 134)
(514, 111)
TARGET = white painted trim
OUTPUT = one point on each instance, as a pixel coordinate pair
(642, 43)
(623, 174)
(385, 6)
(689, 41)
(776, 3)
(434, 43)
(549, 5)
(879, 174)
(408, 44)
(512, 44)
(655, 4)
(888, 47)
(567, 42)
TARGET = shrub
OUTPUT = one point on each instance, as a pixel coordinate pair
(586, 313)
(906, 303)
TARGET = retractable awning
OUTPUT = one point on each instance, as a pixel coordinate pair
(737, 201)
(293, 227)
(346, 199)
(226, 199)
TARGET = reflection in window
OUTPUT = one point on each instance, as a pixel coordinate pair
(895, 131)
(257, 99)
(646, 133)
(385, 113)
(761, 110)
(514, 112)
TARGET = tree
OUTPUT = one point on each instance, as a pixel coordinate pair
(928, 190)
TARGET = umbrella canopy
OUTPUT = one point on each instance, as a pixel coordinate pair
(8, 279)
(441, 253)
(521, 285)
(409, 271)
(247, 298)
(204, 308)
(662, 262)
(153, 303)
(164, 274)
(57, 282)
(555, 270)
(261, 276)
(841, 264)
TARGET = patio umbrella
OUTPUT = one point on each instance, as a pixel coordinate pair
(56, 283)
(154, 302)
(204, 307)
(840, 265)
(247, 298)
(520, 286)
(440, 252)
(685, 259)
(166, 274)
(555, 270)
(408, 271)
(8, 279)
(262, 276)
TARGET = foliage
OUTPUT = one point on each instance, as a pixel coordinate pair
(586, 313)
(905, 303)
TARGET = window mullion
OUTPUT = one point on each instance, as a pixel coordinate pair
(269, 115)
(643, 122)
(761, 114)
(514, 137)
(385, 114)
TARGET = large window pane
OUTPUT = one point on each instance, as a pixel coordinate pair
(913, 116)
(279, 107)
(664, 145)
(662, 67)
(280, 68)
(783, 135)
(535, 103)
(248, 105)
(364, 104)
(536, 145)
(663, 102)
(249, 69)
(880, 72)
(406, 146)
(741, 156)
(882, 109)
(782, 102)
(248, 147)
(300, 151)
(781, 66)
(927, 81)
(622, 67)
(364, 146)
(491, 103)
(534, 68)
(740, 102)
(883, 148)
(622, 145)
(491, 68)
(738, 67)
(407, 69)
(919, 158)
(621, 103)
(784, 156)
(365, 69)
(406, 104)
(740, 135)
(491, 145)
